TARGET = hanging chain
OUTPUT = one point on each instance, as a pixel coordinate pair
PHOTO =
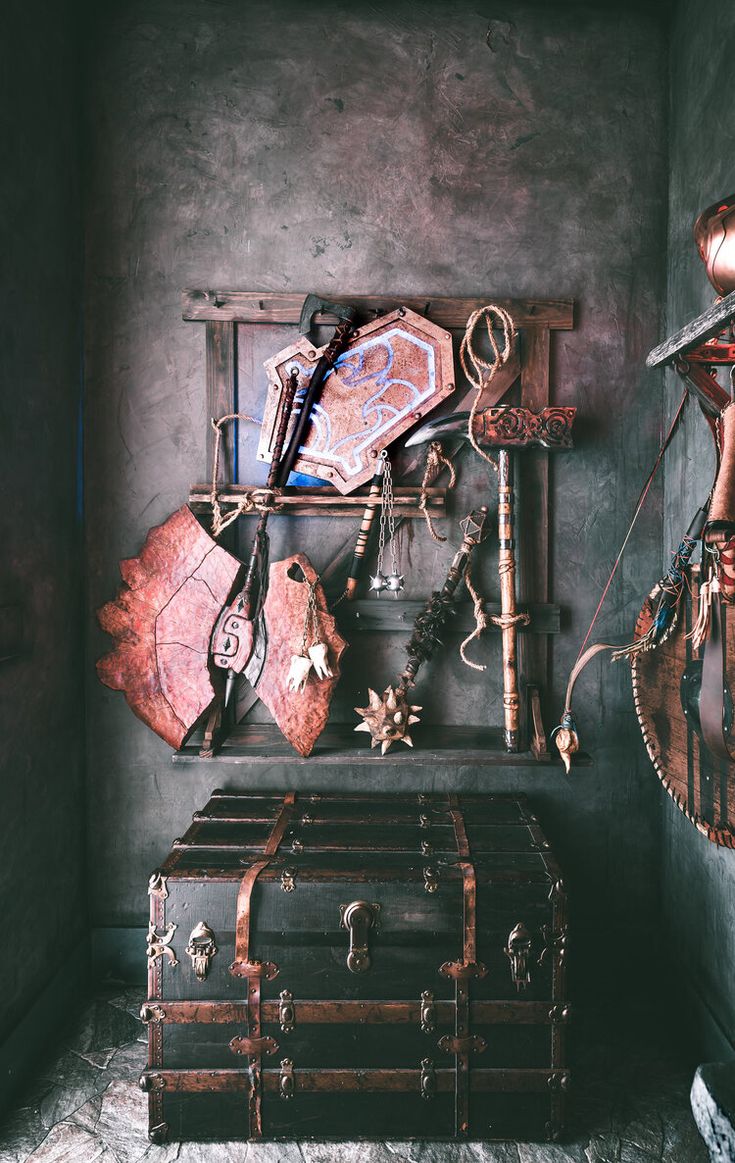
(311, 617)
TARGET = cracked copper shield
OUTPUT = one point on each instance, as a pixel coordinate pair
(162, 621)
(394, 372)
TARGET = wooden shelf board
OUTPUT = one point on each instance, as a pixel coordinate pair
(259, 744)
(280, 307)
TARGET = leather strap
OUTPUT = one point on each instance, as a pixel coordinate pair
(254, 971)
(714, 681)
(461, 1041)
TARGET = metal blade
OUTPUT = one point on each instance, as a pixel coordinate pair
(255, 665)
(440, 429)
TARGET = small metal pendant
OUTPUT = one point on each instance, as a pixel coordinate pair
(379, 582)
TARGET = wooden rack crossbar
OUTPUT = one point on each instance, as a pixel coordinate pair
(321, 502)
(255, 307)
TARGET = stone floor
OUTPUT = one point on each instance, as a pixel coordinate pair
(630, 1103)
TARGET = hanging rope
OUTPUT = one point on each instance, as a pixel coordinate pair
(482, 621)
(436, 460)
(479, 371)
(256, 500)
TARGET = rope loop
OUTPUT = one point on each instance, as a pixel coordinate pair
(261, 500)
(479, 371)
(436, 460)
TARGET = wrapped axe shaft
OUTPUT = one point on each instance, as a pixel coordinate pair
(506, 430)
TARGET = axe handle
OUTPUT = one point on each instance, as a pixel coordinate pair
(508, 620)
(363, 536)
(324, 365)
(274, 476)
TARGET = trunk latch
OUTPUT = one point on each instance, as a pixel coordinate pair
(358, 918)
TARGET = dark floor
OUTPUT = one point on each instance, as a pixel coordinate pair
(630, 1103)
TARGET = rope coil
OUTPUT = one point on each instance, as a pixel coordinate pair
(479, 371)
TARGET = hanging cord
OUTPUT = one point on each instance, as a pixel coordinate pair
(311, 618)
(256, 500)
(479, 371)
(436, 460)
(482, 621)
(567, 740)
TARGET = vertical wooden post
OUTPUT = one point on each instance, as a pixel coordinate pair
(221, 373)
(534, 551)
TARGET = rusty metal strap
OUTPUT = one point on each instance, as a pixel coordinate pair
(242, 966)
(255, 970)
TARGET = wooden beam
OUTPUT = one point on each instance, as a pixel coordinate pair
(322, 502)
(221, 378)
(391, 615)
(260, 307)
(711, 322)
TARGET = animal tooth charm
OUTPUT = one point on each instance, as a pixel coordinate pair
(319, 655)
(388, 719)
(299, 672)
(567, 740)
(393, 582)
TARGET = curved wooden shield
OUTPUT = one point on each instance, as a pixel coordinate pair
(162, 621)
(394, 371)
(701, 785)
(301, 714)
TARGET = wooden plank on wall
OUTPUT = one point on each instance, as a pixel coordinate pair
(256, 307)
(221, 376)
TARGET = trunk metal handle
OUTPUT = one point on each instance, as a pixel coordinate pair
(359, 918)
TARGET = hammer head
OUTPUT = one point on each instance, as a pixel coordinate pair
(503, 427)
(315, 305)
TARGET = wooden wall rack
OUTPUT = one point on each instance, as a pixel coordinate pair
(231, 318)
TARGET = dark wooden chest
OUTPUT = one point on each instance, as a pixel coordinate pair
(357, 967)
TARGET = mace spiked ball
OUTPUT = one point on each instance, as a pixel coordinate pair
(387, 720)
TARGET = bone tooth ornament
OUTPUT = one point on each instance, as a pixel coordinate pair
(387, 720)
(299, 672)
(319, 655)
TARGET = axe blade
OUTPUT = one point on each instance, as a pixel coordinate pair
(504, 427)
(315, 305)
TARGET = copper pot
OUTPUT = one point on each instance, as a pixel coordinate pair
(714, 234)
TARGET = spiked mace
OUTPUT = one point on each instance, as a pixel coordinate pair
(387, 719)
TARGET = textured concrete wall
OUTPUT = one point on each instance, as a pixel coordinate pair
(402, 148)
(41, 716)
(699, 878)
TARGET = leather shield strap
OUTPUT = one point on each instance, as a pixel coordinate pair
(254, 971)
(714, 682)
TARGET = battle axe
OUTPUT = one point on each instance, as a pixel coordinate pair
(505, 430)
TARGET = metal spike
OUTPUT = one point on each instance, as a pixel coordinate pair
(413, 719)
(229, 685)
(363, 727)
(385, 746)
(374, 699)
(390, 699)
(407, 739)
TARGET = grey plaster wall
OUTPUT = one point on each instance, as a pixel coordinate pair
(698, 878)
(41, 693)
(428, 148)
